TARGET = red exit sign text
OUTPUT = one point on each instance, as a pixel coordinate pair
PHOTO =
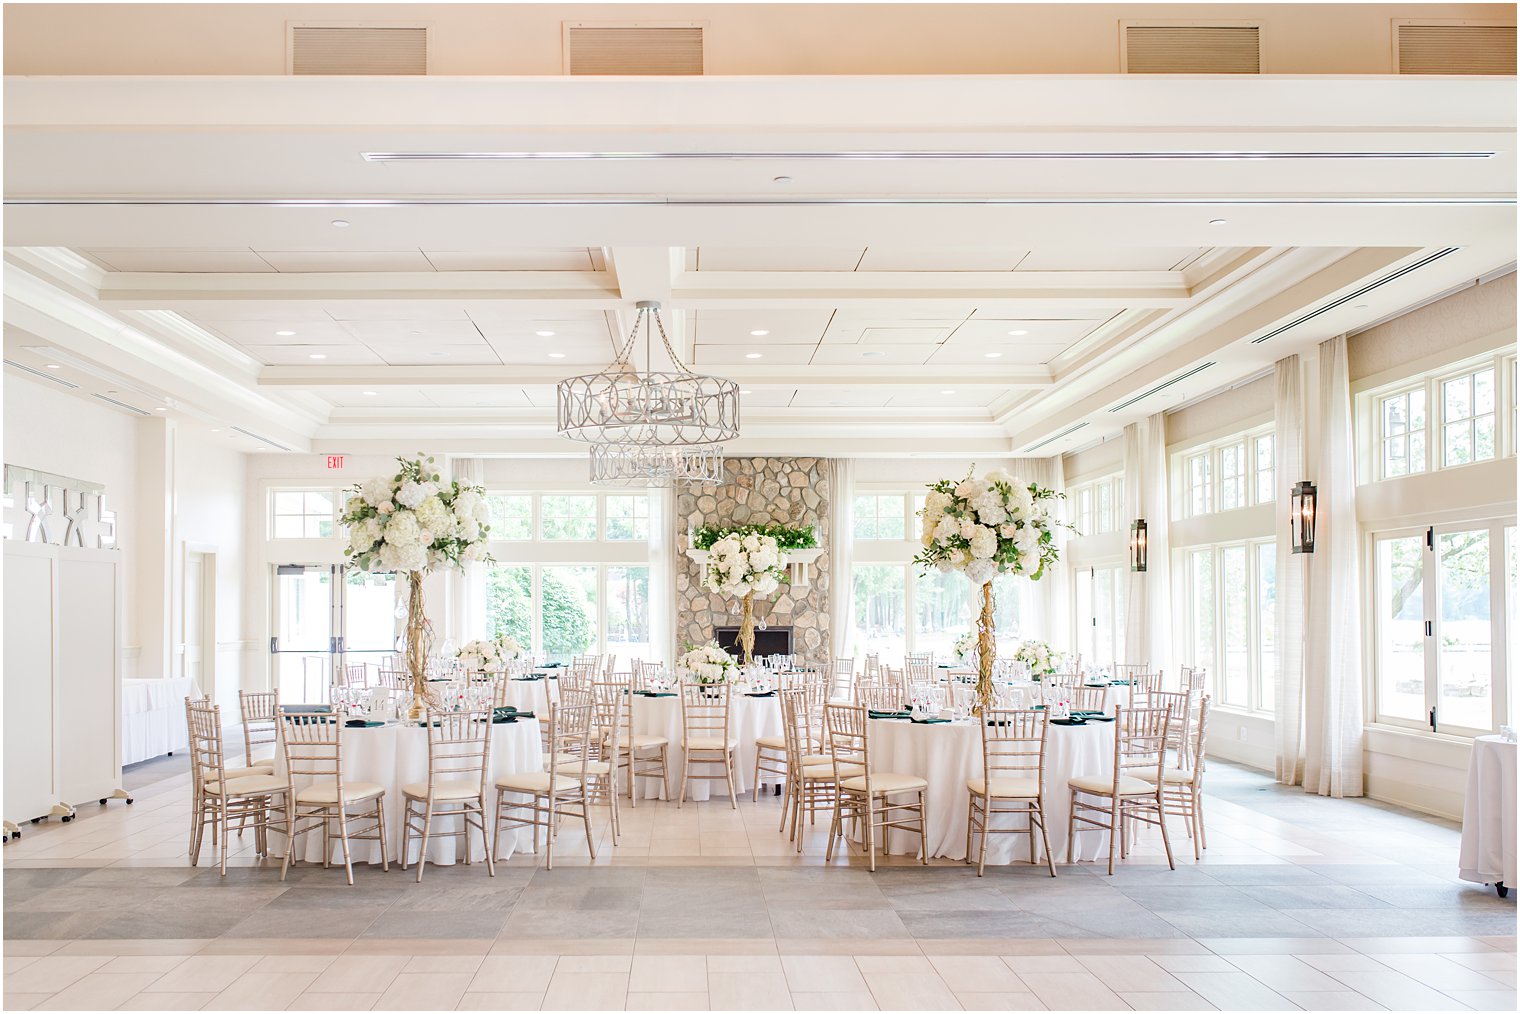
(334, 461)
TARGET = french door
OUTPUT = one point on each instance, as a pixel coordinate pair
(325, 616)
(1441, 618)
(1099, 613)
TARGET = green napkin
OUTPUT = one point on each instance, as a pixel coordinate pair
(928, 721)
(657, 693)
(889, 714)
(360, 723)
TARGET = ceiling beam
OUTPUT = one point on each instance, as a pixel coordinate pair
(548, 376)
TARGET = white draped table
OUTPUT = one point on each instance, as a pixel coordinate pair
(947, 755)
(397, 754)
(1488, 814)
(748, 719)
(529, 694)
(153, 717)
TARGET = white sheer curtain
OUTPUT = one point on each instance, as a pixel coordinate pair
(1332, 649)
(1137, 645)
(840, 546)
(1042, 603)
(1158, 574)
(1289, 469)
(467, 620)
(666, 541)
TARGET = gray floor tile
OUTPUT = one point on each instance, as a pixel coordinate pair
(437, 925)
(828, 923)
(327, 923)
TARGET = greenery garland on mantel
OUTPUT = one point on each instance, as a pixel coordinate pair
(786, 538)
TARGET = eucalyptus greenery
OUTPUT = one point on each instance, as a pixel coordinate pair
(786, 538)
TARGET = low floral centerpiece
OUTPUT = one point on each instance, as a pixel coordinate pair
(986, 526)
(489, 656)
(708, 664)
(745, 564)
(964, 648)
(1038, 656)
(413, 523)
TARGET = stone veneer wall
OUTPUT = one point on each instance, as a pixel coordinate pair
(782, 491)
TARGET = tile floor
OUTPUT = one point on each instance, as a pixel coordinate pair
(1300, 902)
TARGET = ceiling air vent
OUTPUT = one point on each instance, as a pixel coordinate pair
(40, 374)
(1357, 294)
(1068, 431)
(1192, 49)
(633, 49)
(261, 438)
(120, 404)
(1161, 387)
(357, 49)
(1454, 48)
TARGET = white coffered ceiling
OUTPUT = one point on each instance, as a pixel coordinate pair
(979, 301)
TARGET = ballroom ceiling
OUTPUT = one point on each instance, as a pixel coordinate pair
(946, 266)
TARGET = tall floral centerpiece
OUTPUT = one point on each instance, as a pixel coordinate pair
(707, 663)
(489, 656)
(413, 523)
(745, 564)
(995, 524)
(1038, 657)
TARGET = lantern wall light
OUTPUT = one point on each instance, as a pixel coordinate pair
(1302, 514)
(1139, 549)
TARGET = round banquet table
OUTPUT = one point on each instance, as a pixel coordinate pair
(748, 719)
(528, 694)
(1488, 814)
(397, 754)
(948, 755)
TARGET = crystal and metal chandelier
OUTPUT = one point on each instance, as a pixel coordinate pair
(622, 405)
(641, 465)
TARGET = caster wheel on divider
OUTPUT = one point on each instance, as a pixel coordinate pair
(102, 802)
(129, 800)
(1502, 889)
(66, 819)
(36, 820)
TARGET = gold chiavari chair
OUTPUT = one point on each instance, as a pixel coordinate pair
(1013, 776)
(1180, 704)
(873, 664)
(1182, 788)
(220, 794)
(459, 758)
(885, 697)
(810, 786)
(561, 790)
(356, 675)
(314, 749)
(870, 799)
(920, 670)
(645, 756)
(610, 703)
(843, 670)
(1085, 698)
(1112, 802)
(705, 735)
(395, 679)
(1129, 670)
(258, 708)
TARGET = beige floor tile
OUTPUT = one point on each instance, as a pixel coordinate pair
(667, 1001)
(999, 1001)
(1132, 973)
(744, 964)
(849, 946)
(976, 974)
(1192, 962)
(168, 1001)
(668, 973)
(911, 991)
(1131, 945)
(1166, 1001)
(98, 992)
(31, 948)
(313, 963)
(201, 973)
(50, 974)
(459, 964)
(16, 964)
(709, 946)
(590, 991)
(558, 947)
(1414, 945)
(156, 963)
(823, 973)
(263, 991)
(335, 1001)
(356, 973)
(24, 1001)
(854, 1000)
(126, 948)
(1486, 999)
(404, 948)
(988, 945)
(424, 991)
(1070, 990)
(1342, 962)
(525, 973)
(1233, 991)
(1283, 972)
(1395, 990)
(871, 965)
(1276, 945)
(500, 1001)
(587, 964)
(1435, 971)
(1043, 963)
(1332, 1000)
(265, 947)
(1485, 960)
(748, 990)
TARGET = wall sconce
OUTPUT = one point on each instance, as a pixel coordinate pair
(1138, 546)
(1304, 506)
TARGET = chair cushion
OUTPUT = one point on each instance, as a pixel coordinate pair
(825, 772)
(646, 742)
(248, 785)
(597, 767)
(809, 759)
(536, 782)
(1006, 788)
(327, 792)
(444, 790)
(567, 760)
(885, 782)
(1170, 776)
(707, 743)
(771, 742)
(1098, 785)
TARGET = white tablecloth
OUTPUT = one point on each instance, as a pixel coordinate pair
(528, 695)
(394, 755)
(748, 718)
(948, 755)
(153, 717)
(1488, 814)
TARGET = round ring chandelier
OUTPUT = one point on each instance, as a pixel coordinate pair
(621, 405)
(622, 464)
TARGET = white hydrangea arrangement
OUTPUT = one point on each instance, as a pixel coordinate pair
(708, 663)
(965, 648)
(1037, 656)
(986, 526)
(413, 522)
(743, 564)
(489, 656)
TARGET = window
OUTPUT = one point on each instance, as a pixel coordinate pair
(511, 516)
(1231, 593)
(1097, 505)
(1239, 471)
(568, 516)
(879, 517)
(628, 611)
(567, 610)
(509, 604)
(1083, 498)
(1100, 614)
(880, 610)
(627, 517)
(1445, 419)
(942, 610)
(301, 513)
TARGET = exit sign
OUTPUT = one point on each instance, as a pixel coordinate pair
(334, 461)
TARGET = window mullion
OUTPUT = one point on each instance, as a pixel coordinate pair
(1432, 597)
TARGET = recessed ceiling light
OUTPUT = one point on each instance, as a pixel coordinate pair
(1018, 332)
(556, 355)
(216, 431)
(317, 355)
(1219, 221)
(947, 392)
(836, 403)
(340, 223)
(544, 334)
(285, 334)
(758, 334)
(752, 355)
(54, 366)
(872, 355)
(371, 394)
(744, 392)
(160, 408)
(992, 355)
(437, 355)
